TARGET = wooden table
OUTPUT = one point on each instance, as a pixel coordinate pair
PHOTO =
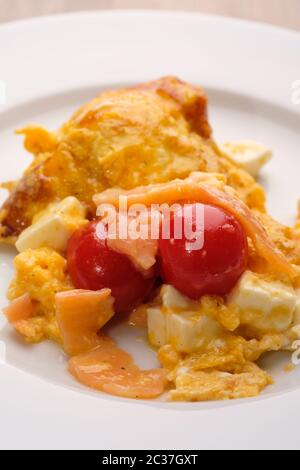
(284, 13)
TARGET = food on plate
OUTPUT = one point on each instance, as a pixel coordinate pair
(80, 315)
(20, 309)
(248, 154)
(53, 226)
(201, 187)
(131, 212)
(217, 266)
(124, 138)
(92, 265)
(109, 369)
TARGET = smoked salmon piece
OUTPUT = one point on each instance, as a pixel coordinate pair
(110, 369)
(80, 315)
(141, 252)
(19, 309)
(141, 249)
(208, 189)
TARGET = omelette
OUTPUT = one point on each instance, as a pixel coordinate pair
(150, 144)
(125, 138)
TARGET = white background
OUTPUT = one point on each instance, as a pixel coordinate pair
(284, 13)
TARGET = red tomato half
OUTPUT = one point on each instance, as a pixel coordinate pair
(93, 265)
(216, 267)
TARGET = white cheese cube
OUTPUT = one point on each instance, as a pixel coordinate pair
(264, 305)
(189, 332)
(54, 226)
(182, 331)
(68, 207)
(156, 327)
(50, 231)
(250, 155)
(173, 299)
(186, 331)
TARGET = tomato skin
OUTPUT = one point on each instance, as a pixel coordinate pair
(93, 265)
(213, 269)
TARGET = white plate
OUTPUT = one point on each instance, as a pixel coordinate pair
(52, 65)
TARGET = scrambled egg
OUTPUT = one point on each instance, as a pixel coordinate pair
(41, 273)
(208, 355)
(244, 382)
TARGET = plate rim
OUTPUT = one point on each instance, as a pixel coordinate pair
(146, 12)
(35, 384)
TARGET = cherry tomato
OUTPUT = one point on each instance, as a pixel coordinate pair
(93, 265)
(211, 269)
